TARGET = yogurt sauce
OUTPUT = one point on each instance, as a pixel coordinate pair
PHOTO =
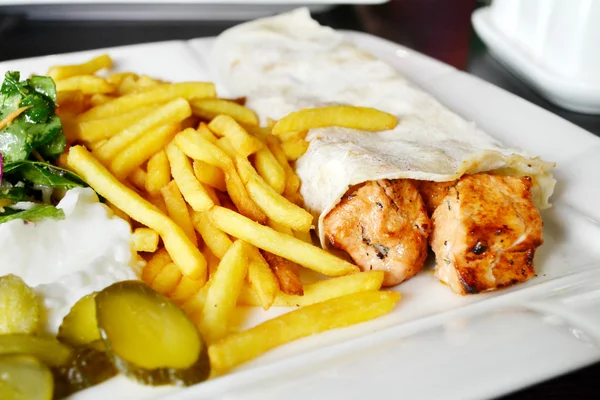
(64, 260)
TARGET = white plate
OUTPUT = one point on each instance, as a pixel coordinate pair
(568, 90)
(435, 344)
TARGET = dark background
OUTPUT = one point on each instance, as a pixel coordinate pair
(439, 28)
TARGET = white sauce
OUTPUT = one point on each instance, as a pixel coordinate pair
(67, 259)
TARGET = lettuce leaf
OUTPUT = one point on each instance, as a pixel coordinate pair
(33, 214)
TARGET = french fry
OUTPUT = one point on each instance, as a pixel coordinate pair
(146, 81)
(240, 197)
(212, 194)
(127, 85)
(72, 99)
(118, 212)
(269, 169)
(185, 290)
(321, 290)
(341, 312)
(138, 178)
(205, 132)
(280, 227)
(292, 181)
(194, 305)
(212, 260)
(361, 118)
(145, 240)
(156, 263)
(195, 146)
(167, 279)
(87, 84)
(242, 141)
(183, 252)
(60, 72)
(118, 77)
(215, 239)
(158, 172)
(92, 131)
(178, 210)
(225, 287)
(294, 149)
(292, 136)
(99, 98)
(285, 246)
(284, 270)
(156, 95)
(209, 175)
(171, 112)
(211, 108)
(137, 152)
(277, 207)
(94, 145)
(158, 201)
(261, 278)
(304, 236)
(189, 122)
(181, 169)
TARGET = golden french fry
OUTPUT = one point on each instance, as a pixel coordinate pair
(158, 172)
(66, 97)
(146, 81)
(156, 263)
(209, 175)
(294, 149)
(178, 210)
(156, 95)
(137, 152)
(212, 194)
(172, 112)
(280, 227)
(181, 169)
(145, 239)
(225, 287)
(292, 136)
(283, 245)
(189, 123)
(261, 278)
(269, 169)
(304, 236)
(242, 141)
(87, 84)
(197, 147)
(284, 270)
(211, 108)
(292, 181)
(205, 132)
(277, 207)
(341, 312)
(118, 212)
(240, 197)
(185, 290)
(157, 201)
(127, 85)
(118, 77)
(212, 260)
(183, 252)
(194, 305)
(92, 131)
(321, 290)
(361, 118)
(138, 178)
(167, 279)
(60, 72)
(215, 239)
(99, 98)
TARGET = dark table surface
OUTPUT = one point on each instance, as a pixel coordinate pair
(452, 40)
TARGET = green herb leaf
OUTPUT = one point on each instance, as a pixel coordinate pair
(33, 214)
(14, 194)
(43, 174)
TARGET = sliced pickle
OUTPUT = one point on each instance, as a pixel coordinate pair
(87, 367)
(24, 378)
(46, 349)
(79, 327)
(19, 307)
(148, 337)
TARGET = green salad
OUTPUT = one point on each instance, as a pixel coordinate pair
(31, 138)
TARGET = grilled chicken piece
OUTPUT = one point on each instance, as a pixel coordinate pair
(485, 233)
(382, 225)
(433, 193)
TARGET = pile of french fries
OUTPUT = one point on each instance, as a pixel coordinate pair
(214, 203)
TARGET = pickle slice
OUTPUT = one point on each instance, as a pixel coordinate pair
(87, 367)
(19, 307)
(79, 327)
(24, 378)
(46, 349)
(148, 337)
